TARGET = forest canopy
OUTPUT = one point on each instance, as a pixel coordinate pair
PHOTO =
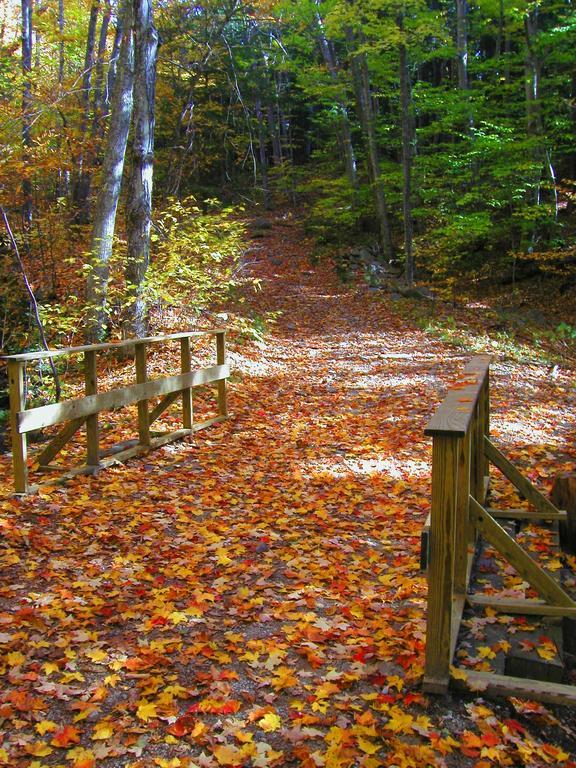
(441, 134)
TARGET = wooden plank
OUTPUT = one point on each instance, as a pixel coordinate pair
(463, 529)
(91, 388)
(532, 494)
(27, 356)
(165, 403)
(455, 413)
(526, 514)
(17, 397)
(425, 544)
(47, 415)
(458, 606)
(485, 415)
(221, 360)
(197, 426)
(445, 452)
(542, 582)
(139, 449)
(142, 378)
(59, 441)
(135, 450)
(491, 684)
(480, 426)
(523, 607)
(187, 401)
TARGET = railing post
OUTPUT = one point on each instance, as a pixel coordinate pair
(186, 367)
(142, 378)
(481, 465)
(17, 404)
(462, 529)
(445, 456)
(221, 360)
(92, 428)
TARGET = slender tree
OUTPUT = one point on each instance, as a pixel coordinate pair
(366, 113)
(27, 108)
(111, 180)
(139, 202)
(407, 145)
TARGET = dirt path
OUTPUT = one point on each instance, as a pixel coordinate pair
(253, 598)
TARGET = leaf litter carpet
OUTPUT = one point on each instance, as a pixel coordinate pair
(252, 597)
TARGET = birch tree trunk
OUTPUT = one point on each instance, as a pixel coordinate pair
(27, 108)
(462, 43)
(343, 122)
(139, 203)
(82, 186)
(262, 154)
(109, 190)
(407, 143)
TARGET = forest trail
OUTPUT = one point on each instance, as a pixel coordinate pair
(253, 597)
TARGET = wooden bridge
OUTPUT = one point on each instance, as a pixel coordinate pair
(83, 411)
(461, 455)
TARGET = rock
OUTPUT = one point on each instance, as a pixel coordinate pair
(563, 496)
(262, 224)
(414, 292)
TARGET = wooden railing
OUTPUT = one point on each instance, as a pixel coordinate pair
(84, 410)
(461, 454)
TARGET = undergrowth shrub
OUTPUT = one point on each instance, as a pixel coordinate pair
(196, 263)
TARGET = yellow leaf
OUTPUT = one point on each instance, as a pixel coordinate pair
(83, 758)
(111, 680)
(546, 653)
(15, 658)
(50, 667)
(39, 749)
(227, 755)
(399, 722)
(72, 677)
(485, 652)
(395, 682)
(102, 731)
(146, 710)
(244, 736)
(222, 556)
(97, 654)
(458, 674)
(179, 617)
(367, 746)
(46, 726)
(283, 678)
(270, 722)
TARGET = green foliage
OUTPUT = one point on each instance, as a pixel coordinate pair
(335, 207)
(196, 255)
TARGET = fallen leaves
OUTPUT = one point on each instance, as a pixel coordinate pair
(252, 597)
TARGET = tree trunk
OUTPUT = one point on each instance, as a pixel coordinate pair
(532, 76)
(61, 43)
(82, 186)
(344, 122)
(98, 90)
(361, 82)
(27, 109)
(262, 153)
(407, 142)
(139, 204)
(462, 43)
(112, 67)
(111, 180)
